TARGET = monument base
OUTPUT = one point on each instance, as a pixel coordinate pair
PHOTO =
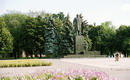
(84, 56)
(79, 45)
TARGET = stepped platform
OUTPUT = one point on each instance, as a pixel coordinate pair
(84, 56)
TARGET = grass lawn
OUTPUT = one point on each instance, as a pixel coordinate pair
(24, 63)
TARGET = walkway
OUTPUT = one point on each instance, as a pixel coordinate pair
(120, 69)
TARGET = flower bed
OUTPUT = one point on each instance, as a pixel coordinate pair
(64, 75)
(24, 63)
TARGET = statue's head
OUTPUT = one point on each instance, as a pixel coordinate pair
(77, 15)
(81, 16)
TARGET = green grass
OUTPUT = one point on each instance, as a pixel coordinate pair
(24, 63)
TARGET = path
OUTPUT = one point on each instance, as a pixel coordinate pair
(120, 69)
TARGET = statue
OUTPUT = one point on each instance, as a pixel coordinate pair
(78, 24)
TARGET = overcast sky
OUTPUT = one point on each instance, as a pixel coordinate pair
(117, 11)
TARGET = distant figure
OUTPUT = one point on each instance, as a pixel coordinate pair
(117, 56)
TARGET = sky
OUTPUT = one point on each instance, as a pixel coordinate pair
(98, 11)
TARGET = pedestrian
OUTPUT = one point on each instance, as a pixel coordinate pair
(117, 56)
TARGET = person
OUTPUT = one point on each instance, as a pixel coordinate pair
(117, 56)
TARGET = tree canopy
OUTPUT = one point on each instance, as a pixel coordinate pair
(39, 33)
(6, 39)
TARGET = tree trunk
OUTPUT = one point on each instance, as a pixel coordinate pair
(31, 56)
(101, 53)
(36, 55)
(125, 54)
(27, 55)
(18, 54)
(111, 53)
(40, 55)
(15, 55)
(3, 55)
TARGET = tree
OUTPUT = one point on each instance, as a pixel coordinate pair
(93, 34)
(14, 21)
(28, 36)
(67, 39)
(123, 40)
(106, 33)
(85, 32)
(6, 39)
(58, 35)
(51, 38)
(102, 37)
(126, 46)
(39, 35)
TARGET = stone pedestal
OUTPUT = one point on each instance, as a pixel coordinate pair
(79, 44)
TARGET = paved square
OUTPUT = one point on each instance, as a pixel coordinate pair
(123, 63)
(119, 70)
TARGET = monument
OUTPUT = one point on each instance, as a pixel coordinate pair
(80, 45)
(79, 39)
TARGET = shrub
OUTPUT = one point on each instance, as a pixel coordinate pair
(24, 63)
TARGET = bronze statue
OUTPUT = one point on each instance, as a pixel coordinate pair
(77, 24)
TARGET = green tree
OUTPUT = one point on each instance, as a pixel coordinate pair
(126, 46)
(102, 37)
(123, 39)
(28, 36)
(85, 32)
(67, 39)
(6, 39)
(106, 33)
(14, 21)
(39, 35)
(94, 36)
(51, 39)
(59, 35)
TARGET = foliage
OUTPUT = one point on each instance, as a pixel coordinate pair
(106, 33)
(6, 39)
(14, 21)
(85, 31)
(51, 39)
(29, 30)
(58, 35)
(53, 34)
(93, 34)
(39, 35)
(64, 75)
(102, 38)
(24, 63)
(87, 43)
(123, 39)
(67, 37)
(33, 35)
